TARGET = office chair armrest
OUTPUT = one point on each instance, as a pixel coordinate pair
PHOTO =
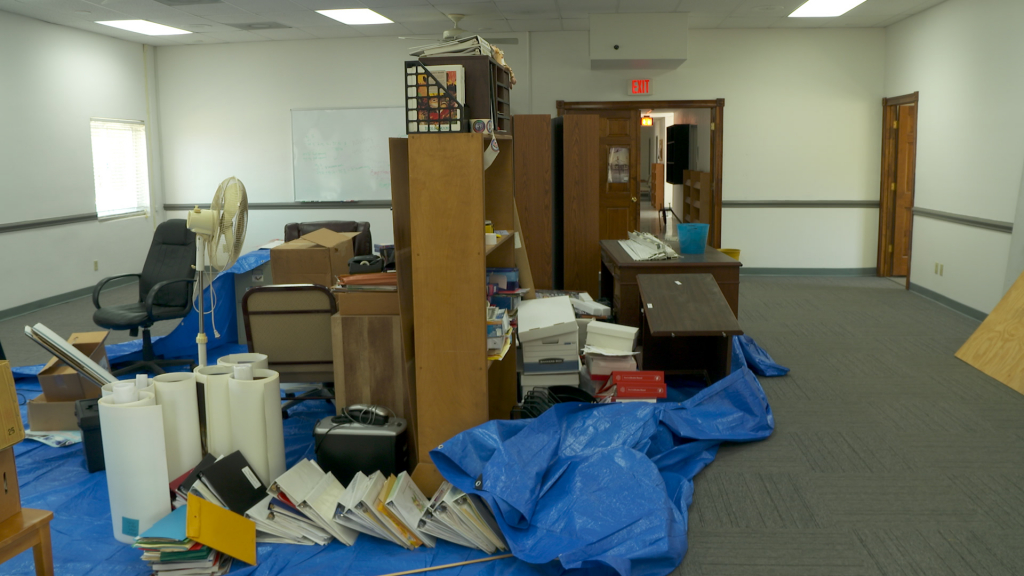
(99, 287)
(157, 287)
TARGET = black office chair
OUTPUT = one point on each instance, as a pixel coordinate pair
(165, 293)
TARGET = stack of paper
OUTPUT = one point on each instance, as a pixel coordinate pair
(169, 550)
(463, 519)
(549, 336)
(465, 46)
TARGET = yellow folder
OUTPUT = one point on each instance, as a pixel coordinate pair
(221, 529)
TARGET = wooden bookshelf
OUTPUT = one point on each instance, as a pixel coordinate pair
(696, 197)
(449, 196)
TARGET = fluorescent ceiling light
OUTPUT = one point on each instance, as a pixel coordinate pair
(144, 27)
(825, 8)
(355, 16)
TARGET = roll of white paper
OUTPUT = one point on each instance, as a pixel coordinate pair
(176, 394)
(108, 389)
(136, 464)
(218, 408)
(125, 392)
(257, 360)
(256, 427)
(142, 381)
(242, 372)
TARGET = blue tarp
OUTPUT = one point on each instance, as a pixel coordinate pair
(746, 352)
(181, 342)
(584, 489)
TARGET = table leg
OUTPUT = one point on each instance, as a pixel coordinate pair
(43, 553)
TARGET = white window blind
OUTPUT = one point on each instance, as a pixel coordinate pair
(120, 167)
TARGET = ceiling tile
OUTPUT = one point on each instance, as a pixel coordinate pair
(518, 6)
(747, 22)
(284, 34)
(485, 25)
(329, 4)
(640, 6)
(575, 23)
(405, 14)
(300, 19)
(433, 27)
(469, 8)
(393, 3)
(338, 30)
(236, 36)
(382, 30)
(705, 20)
(713, 6)
(195, 23)
(535, 25)
(547, 15)
(209, 10)
(267, 6)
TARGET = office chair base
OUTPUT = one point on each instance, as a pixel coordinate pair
(152, 366)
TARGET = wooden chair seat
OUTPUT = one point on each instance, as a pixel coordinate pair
(28, 529)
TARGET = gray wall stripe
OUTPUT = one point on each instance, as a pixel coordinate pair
(294, 205)
(985, 223)
(800, 203)
(45, 222)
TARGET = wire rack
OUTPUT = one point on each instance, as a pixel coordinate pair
(430, 105)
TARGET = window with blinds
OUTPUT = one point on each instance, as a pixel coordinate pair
(120, 167)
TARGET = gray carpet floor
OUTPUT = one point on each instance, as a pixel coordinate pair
(66, 319)
(890, 457)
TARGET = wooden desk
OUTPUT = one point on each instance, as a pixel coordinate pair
(687, 324)
(28, 529)
(619, 273)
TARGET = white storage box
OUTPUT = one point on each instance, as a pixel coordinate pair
(531, 381)
(545, 318)
(611, 336)
(599, 365)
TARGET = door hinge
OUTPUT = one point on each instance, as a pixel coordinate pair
(890, 247)
(712, 125)
(892, 186)
(895, 124)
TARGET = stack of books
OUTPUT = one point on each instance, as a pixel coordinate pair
(549, 336)
(168, 550)
(639, 386)
(463, 519)
(465, 46)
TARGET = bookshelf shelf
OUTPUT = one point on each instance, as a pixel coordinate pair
(501, 241)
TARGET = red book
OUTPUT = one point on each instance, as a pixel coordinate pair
(643, 376)
(640, 390)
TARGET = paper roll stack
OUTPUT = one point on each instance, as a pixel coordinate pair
(136, 463)
(176, 394)
(218, 408)
(256, 427)
(258, 361)
(108, 389)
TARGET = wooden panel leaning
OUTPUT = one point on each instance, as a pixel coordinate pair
(532, 133)
(996, 347)
(582, 253)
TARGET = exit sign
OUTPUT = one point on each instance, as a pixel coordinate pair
(639, 87)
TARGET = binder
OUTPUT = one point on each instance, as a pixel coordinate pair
(234, 483)
(220, 529)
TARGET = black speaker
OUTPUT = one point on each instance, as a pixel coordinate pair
(344, 449)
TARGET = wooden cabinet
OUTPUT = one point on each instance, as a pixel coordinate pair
(446, 195)
(696, 197)
(658, 186)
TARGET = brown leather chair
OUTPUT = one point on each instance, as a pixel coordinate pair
(362, 244)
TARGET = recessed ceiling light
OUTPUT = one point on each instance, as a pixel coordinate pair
(144, 27)
(825, 8)
(356, 16)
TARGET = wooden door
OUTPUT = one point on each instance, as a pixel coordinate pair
(906, 139)
(581, 213)
(618, 173)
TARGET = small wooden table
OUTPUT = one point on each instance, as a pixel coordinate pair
(687, 324)
(619, 273)
(28, 529)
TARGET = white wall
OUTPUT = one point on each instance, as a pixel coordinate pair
(225, 110)
(802, 122)
(52, 80)
(963, 56)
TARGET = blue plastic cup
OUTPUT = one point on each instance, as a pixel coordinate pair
(692, 238)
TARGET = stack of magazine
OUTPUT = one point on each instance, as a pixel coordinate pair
(465, 46)
(168, 550)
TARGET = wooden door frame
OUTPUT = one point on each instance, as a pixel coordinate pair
(717, 108)
(886, 197)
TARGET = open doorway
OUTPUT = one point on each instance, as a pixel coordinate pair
(896, 199)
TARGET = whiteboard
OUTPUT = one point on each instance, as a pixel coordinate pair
(342, 155)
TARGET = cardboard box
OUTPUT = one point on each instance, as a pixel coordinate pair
(316, 258)
(46, 416)
(611, 336)
(10, 497)
(12, 430)
(61, 383)
(544, 318)
(367, 303)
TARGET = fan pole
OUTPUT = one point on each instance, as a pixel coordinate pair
(200, 268)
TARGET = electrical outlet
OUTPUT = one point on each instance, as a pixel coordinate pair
(95, 265)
